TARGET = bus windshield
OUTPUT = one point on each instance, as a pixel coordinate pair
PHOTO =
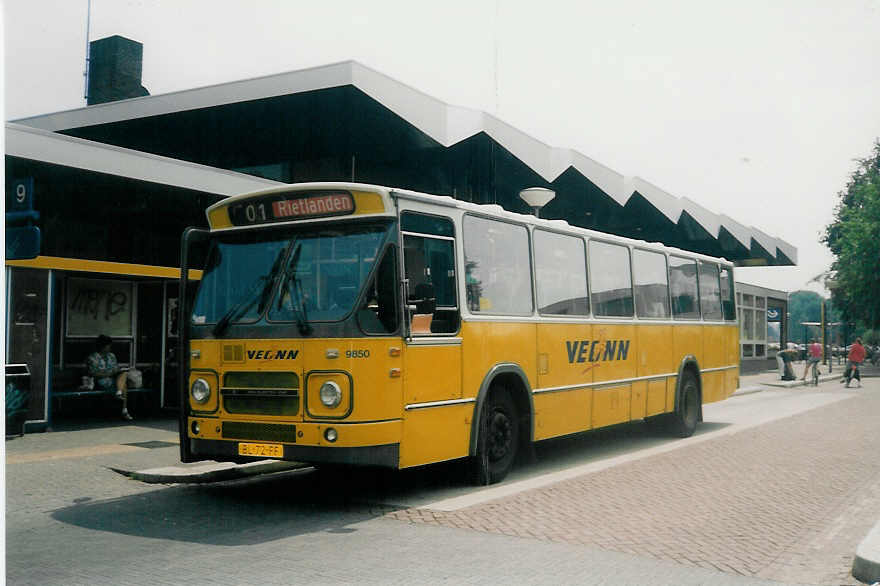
(314, 274)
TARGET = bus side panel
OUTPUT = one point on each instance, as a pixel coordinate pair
(563, 361)
(615, 358)
(656, 402)
(714, 355)
(686, 340)
(435, 434)
(431, 373)
(639, 401)
(655, 358)
(733, 349)
(671, 385)
(485, 344)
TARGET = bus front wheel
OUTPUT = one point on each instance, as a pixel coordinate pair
(498, 439)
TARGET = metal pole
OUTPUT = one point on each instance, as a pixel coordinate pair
(88, 49)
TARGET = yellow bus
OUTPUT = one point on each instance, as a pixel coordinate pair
(342, 323)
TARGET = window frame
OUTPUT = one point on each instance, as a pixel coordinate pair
(700, 263)
(531, 268)
(535, 296)
(665, 256)
(628, 248)
(695, 261)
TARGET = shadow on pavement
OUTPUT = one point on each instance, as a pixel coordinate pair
(245, 512)
(163, 422)
(610, 441)
(270, 507)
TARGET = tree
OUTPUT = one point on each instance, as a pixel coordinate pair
(854, 239)
(805, 306)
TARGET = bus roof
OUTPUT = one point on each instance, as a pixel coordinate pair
(490, 210)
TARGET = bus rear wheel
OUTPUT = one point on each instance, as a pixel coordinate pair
(683, 422)
(497, 440)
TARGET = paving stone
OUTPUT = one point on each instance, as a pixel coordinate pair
(788, 500)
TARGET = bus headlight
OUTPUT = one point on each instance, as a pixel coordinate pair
(200, 391)
(331, 394)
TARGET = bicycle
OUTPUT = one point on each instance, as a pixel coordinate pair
(814, 379)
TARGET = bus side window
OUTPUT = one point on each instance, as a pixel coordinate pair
(683, 286)
(378, 314)
(727, 301)
(710, 291)
(610, 280)
(560, 274)
(498, 271)
(651, 284)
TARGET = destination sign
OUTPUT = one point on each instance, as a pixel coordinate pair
(284, 207)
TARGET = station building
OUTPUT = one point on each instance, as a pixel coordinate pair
(115, 183)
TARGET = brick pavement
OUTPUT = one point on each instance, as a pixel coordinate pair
(789, 500)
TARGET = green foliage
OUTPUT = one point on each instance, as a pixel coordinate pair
(806, 306)
(854, 239)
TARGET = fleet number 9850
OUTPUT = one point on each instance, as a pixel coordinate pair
(357, 353)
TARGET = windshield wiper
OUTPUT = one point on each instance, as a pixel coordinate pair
(249, 298)
(299, 304)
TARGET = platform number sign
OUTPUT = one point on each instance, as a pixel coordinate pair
(22, 236)
(22, 195)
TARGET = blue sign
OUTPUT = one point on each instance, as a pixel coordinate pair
(20, 197)
(22, 242)
(773, 314)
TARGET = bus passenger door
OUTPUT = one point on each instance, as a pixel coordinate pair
(434, 428)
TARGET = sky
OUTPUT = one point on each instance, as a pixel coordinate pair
(753, 109)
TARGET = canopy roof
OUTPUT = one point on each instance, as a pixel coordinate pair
(348, 122)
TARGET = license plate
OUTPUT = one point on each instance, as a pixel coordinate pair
(261, 450)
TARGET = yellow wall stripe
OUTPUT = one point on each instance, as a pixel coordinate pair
(101, 266)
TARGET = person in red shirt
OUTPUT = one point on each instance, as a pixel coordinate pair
(855, 357)
(814, 355)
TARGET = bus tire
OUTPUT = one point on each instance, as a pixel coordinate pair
(497, 440)
(683, 422)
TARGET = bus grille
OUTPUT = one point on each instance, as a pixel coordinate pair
(267, 432)
(261, 393)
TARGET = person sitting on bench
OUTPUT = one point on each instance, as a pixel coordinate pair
(102, 365)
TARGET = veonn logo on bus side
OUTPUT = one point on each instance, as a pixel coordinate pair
(596, 350)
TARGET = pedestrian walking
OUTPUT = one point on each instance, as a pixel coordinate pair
(855, 357)
(784, 359)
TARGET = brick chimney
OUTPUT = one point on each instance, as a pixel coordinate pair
(115, 66)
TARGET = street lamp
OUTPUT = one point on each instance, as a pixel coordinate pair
(537, 197)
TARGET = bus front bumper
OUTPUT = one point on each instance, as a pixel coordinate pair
(364, 444)
(387, 456)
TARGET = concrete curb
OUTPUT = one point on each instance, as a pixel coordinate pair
(208, 472)
(866, 565)
(789, 384)
(748, 390)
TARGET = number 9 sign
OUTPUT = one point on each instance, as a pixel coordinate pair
(22, 194)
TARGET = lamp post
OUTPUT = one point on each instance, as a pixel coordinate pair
(537, 197)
